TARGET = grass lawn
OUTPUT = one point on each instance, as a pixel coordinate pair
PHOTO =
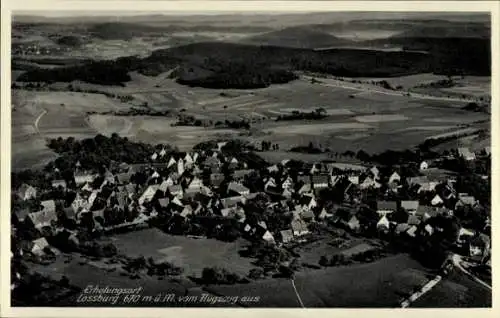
(191, 254)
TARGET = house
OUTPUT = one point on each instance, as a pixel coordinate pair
(180, 167)
(212, 162)
(42, 218)
(427, 186)
(196, 183)
(176, 191)
(437, 200)
(26, 192)
(165, 184)
(425, 212)
(419, 180)
(38, 246)
(383, 224)
(410, 206)
(320, 181)
(287, 183)
(232, 201)
(466, 200)
(163, 152)
(412, 231)
(369, 183)
(299, 227)
(20, 215)
(273, 168)
(237, 188)
(334, 179)
(216, 179)
(84, 178)
(306, 188)
(353, 179)
(375, 172)
(171, 162)
(353, 223)
(78, 203)
(148, 194)
(239, 175)
(308, 202)
(395, 177)
(307, 215)
(233, 163)
(188, 160)
(268, 237)
(413, 220)
(466, 154)
(428, 229)
(123, 177)
(323, 214)
(402, 228)
(479, 247)
(423, 165)
(286, 236)
(59, 183)
(188, 210)
(385, 207)
(465, 235)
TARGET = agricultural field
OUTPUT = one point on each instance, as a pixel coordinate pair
(379, 284)
(189, 253)
(357, 119)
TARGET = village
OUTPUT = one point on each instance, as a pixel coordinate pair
(220, 194)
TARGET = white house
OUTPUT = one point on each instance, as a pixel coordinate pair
(466, 154)
(154, 156)
(171, 162)
(395, 177)
(424, 165)
(437, 200)
(148, 194)
(383, 224)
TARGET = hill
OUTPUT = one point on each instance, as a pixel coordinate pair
(297, 37)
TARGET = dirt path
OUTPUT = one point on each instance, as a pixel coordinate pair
(37, 120)
(297, 293)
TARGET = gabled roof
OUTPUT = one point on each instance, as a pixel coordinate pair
(418, 180)
(241, 173)
(426, 209)
(175, 188)
(467, 200)
(402, 227)
(43, 218)
(23, 189)
(237, 187)
(286, 235)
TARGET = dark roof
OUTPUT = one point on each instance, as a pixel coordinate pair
(320, 179)
(387, 205)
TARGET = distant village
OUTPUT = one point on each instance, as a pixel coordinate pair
(185, 193)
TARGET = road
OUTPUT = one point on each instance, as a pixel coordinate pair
(297, 293)
(424, 290)
(457, 259)
(366, 88)
(38, 119)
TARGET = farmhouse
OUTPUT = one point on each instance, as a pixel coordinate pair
(176, 191)
(84, 178)
(383, 224)
(424, 165)
(38, 246)
(26, 192)
(466, 200)
(42, 218)
(59, 183)
(286, 236)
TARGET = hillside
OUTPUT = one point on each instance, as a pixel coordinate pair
(297, 37)
(214, 64)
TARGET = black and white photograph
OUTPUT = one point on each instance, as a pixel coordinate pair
(260, 159)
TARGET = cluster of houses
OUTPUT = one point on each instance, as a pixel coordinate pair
(210, 183)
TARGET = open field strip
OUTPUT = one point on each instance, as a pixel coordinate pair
(380, 118)
(316, 129)
(426, 128)
(455, 133)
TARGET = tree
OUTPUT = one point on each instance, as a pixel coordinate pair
(255, 273)
(323, 261)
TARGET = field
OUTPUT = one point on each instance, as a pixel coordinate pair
(373, 121)
(190, 253)
(379, 284)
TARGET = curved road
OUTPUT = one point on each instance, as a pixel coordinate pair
(38, 119)
(457, 259)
